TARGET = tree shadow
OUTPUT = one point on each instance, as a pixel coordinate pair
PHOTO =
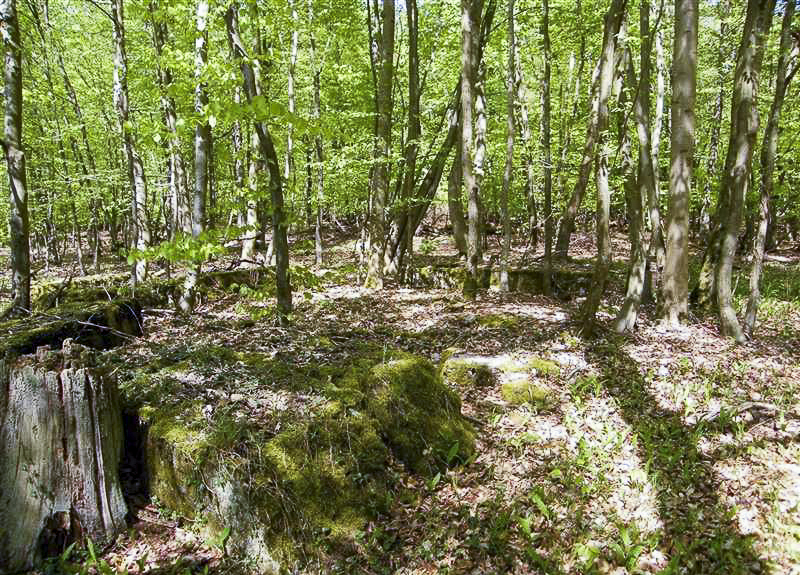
(700, 533)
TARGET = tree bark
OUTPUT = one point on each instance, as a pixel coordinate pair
(251, 76)
(684, 88)
(546, 149)
(769, 150)
(60, 449)
(567, 225)
(738, 164)
(318, 152)
(136, 175)
(467, 148)
(202, 145)
(508, 173)
(383, 142)
(613, 21)
(646, 182)
(19, 225)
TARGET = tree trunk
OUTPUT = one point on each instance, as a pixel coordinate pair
(141, 233)
(181, 216)
(251, 206)
(19, 225)
(613, 21)
(738, 164)
(407, 199)
(548, 168)
(383, 142)
(288, 168)
(252, 79)
(508, 173)
(657, 252)
(468, 149)
(455, 205)
(60, 449)
(567, 225)
(646, 182)
(684, 87)
(202, 144)
(769, 151)
(316, 113)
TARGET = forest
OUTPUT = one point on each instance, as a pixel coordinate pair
(415, 287)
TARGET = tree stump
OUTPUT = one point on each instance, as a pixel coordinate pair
(60, 447)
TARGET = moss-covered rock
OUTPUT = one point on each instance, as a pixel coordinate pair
(463, 371)
(520, 392)
(420, 416)
(298, 480)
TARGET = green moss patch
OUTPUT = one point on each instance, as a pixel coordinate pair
(302, 461)
(522, 392)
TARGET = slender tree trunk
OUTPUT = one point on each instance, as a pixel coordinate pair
(141, 233)
(738, 164)
(383, 140)
(89, 166)
(646, 181)
(508, 173)
(15, 160)
(565, 126)
(467, 149)
(288, 168)
(414, 128)
(252, 80)
(455, 205)
(613, 21)
(318, 152)
(182, 218)
(252, 225)
(788, 58)
(684, 85)
(548, 167)
(202, 142)
(528, 151)
(567, 225)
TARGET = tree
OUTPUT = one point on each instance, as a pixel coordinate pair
(468, 19)
(136, 174)
(202, 146)
(613, 21)
(251, 80)
(547, 159)
(645, 181)
(684, 87)
(379, 187)
(787, 67)
(15, 160)
(508, 174)
(738, 163)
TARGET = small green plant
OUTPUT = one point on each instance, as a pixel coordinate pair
(218, 540)
(427, 247)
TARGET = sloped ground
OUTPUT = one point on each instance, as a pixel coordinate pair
(667, 451)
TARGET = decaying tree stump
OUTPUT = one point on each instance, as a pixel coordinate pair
(60, 447)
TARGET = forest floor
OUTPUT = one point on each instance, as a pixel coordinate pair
(664, 451)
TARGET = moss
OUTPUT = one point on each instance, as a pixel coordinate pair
(522, 392)
(462, 372)
(309, 480)
(498, 321)
(419, 415)
(544, 367)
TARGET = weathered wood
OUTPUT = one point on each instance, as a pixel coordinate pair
(60, 448)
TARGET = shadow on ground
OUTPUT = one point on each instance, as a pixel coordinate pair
(700, 533)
